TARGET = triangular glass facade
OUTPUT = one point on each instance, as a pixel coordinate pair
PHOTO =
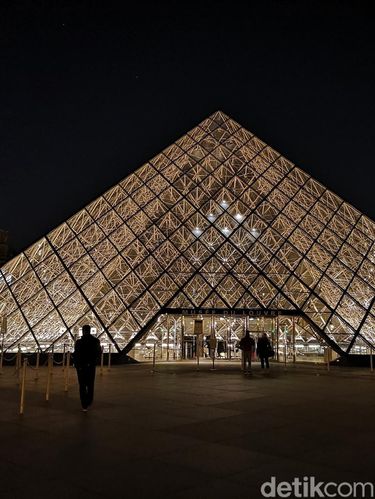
(217, 220)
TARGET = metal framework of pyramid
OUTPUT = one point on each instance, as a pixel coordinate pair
(217, 220)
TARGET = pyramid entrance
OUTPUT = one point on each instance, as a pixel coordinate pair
(218, 220)
(184, 334)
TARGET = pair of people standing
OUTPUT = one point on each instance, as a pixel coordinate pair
(263, 350)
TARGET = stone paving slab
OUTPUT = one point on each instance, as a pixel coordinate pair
(180, 433)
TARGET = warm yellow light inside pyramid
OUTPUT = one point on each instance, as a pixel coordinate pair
(286, 241)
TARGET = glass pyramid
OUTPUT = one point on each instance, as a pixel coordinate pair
(218, 220)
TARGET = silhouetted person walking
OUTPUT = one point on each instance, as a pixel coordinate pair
(264, 350)
(247, 345)
(86, 352)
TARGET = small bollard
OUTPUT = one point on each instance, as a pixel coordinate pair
(213, 344)
(19, 367)
(285, 355)
(109, 358)
(328, 358)
(2, 353)
(197, 350)
(66, 372)
(154, 358)
(36, 377)
(18, 361)
(23, 382)
(49, 376)
(101, 363)
(63, 358)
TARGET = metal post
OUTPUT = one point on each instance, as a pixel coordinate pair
(36, 377)
(328, 350)
(168, 326)
(154, 358)
(198, 331)
(18, 363)
(197, 349)
(23, 381)
(213, 359)
(277, 338)
(212, 343)
(227, 342)
(371, 361)
(2, 353)
(182, 337)
(3, 327)
(294, 339)
(273, 333)
(161, 343)
(109, 358)
(101, 362)
(63, 358)
(66, 372)
(285, 346)
(49, 376)
(174, 338)
(230, 337)
(245, 326)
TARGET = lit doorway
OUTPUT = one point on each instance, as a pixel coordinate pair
(188, 333)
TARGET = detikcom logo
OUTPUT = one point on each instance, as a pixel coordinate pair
(308, 487)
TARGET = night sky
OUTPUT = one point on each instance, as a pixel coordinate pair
(89, 92)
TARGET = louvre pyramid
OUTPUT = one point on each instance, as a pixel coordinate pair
(218, 219)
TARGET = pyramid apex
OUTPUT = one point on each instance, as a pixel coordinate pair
(219, 116)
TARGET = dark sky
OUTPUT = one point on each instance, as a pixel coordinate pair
(89, 92)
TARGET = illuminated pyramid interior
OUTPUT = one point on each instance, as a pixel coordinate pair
(218, 220)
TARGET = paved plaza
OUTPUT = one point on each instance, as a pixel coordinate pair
(183, 433)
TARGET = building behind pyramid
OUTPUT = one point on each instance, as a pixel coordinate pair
(218, 230)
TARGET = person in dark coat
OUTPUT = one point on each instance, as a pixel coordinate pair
(247, 345)
(264, 350)
(86, 353)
